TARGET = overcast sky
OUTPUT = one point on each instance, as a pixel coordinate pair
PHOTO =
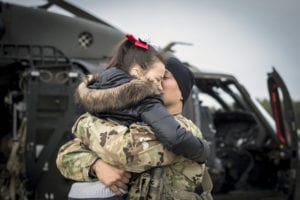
(242, 37)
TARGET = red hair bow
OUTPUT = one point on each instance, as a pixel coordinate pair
(136, 42)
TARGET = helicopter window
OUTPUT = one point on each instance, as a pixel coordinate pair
(222, 98)
(209, 101)
(225, 98)
(234, 90)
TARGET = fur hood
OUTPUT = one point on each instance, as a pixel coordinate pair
(116, 97)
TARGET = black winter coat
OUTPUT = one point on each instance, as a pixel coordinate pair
(117, 95)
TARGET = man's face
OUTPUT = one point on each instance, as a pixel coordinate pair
(171, 91)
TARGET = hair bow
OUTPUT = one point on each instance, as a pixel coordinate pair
(136, 42)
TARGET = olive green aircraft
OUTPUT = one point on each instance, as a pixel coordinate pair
(42, 58)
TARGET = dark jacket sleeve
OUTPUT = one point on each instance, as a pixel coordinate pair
(167, 130)
(175, 138)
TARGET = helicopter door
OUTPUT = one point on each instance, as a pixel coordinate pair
(284, 116)
(283, 112)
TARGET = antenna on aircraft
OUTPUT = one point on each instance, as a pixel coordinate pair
(168, 47)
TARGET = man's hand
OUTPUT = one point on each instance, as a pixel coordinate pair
(112, 177)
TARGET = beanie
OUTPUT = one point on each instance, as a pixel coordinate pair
(184, 77)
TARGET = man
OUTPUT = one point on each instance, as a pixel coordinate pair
(179, 174)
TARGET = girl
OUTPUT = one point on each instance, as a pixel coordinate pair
(128, 92)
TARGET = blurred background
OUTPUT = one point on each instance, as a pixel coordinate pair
(241, 37)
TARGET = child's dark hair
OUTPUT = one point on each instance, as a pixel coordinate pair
(128, 54)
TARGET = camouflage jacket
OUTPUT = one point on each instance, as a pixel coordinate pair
(74, 159)
(132, 148)
(117, 95)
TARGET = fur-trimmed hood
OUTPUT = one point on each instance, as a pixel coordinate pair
(113, 90)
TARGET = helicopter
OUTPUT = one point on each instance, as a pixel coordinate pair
(43, 56)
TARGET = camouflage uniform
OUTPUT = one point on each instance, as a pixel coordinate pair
(133, 149)
(74, 161)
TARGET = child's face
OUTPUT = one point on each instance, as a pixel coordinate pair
(156, 73)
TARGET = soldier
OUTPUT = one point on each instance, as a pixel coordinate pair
(77, 166)
(180, 179)
(108, 128)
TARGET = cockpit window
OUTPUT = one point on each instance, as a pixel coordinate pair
(209, 101)
(224, 96)
(234, 89)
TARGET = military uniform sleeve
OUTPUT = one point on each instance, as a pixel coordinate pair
(190, 125)
(132, 148)
(74, 161)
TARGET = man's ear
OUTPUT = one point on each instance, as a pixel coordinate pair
(136, 71)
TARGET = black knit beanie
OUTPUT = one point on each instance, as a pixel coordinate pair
(183, 76)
